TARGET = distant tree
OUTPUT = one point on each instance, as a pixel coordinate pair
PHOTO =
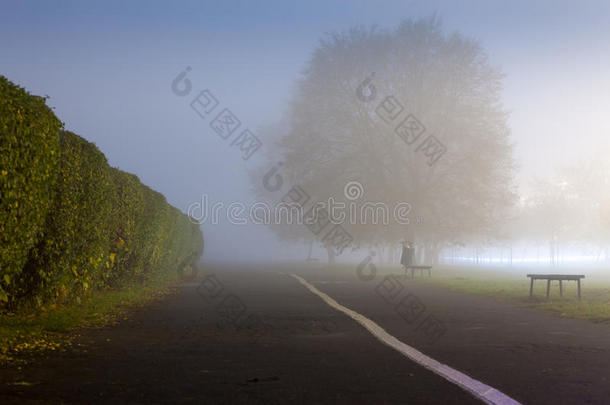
(269, 193)
(550, 215)
(589, 183)
(341, 127)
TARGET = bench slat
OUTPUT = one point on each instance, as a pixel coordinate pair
(556, 276)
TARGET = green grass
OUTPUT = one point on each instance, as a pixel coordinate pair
(514, 287)
(594, 306)
(34, 330)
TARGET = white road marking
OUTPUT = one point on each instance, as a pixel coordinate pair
(331, 282)
(482, 391)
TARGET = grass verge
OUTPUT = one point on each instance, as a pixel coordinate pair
(52, 327)
(594, 306)
(512, 286)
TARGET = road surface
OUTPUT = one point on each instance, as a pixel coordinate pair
(256, 335)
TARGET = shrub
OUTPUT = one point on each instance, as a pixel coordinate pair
(73, 252)
(68, 221)
(126, 215)
(28, 157)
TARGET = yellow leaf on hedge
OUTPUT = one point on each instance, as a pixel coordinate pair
(7, 279)
(112, 256)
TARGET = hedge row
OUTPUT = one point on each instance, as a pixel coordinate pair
(68, 221)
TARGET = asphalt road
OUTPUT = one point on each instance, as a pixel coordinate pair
(253, 335)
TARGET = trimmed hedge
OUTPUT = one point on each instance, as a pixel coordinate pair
(74, 246)
(89, 225)
(29, 147)
(127, 215)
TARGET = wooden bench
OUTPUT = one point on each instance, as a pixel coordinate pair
(550, 277)
(420, 268)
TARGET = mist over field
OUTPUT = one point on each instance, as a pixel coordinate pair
(108, 71)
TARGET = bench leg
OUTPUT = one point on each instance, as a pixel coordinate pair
(560, 288)
(412, 275)
(531, 287)
(548, 288)
(429, 275)
(578, 289)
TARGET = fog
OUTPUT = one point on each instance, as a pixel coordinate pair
(112, 73)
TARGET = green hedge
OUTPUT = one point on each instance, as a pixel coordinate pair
(127, 215)
(29, 148)
(69, 221)
(74, 246)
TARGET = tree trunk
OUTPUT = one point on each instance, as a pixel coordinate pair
(599, 255)
(331, 254)
(310, 250)
(434, 254)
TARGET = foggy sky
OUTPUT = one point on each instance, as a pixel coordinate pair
(108, 67)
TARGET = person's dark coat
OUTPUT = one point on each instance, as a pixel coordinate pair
(406, 258)
(411, 255)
